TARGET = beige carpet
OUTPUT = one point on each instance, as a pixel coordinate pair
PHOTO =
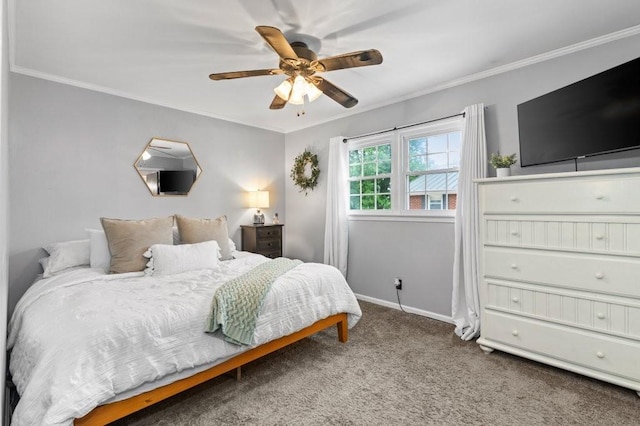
(396, 369)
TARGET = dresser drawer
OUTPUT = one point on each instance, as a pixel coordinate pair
(598, 234)
(617, 316)
(599, 352)
(271, 232)
(272, 244)
(570, 195)
(607, 275)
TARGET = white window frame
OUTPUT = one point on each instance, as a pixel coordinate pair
(400, 166)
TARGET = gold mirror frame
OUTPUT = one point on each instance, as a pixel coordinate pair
(168, 168)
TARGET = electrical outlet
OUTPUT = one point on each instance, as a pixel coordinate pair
(398, 283)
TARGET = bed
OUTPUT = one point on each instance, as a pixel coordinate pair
(89, 347)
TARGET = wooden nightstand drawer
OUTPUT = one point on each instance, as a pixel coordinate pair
(270, 244)
(269, 232)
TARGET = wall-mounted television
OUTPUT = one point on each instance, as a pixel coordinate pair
(597, 115)
(175, 181)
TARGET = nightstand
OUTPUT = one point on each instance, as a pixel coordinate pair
(263, 239)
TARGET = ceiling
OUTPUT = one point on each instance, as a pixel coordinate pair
(162, 51)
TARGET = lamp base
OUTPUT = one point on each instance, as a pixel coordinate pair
(258, 219)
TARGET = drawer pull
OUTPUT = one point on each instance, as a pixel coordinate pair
(599, 197)
(514, 233)
(514, 266)
(600, 315)
(515, 332)
(515, 300)
(599, 237)
(599, 275)
(514, 198)
(599, 354)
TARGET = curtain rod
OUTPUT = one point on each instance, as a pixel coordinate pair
(402, 127)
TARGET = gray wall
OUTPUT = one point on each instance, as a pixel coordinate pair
(72, 153)
(379, 250)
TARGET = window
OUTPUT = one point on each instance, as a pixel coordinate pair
(370, 177)
(406, 171)
(432, 171)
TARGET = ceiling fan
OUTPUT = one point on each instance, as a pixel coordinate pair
(302, 65)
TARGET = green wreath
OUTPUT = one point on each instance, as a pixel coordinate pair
(299, 168)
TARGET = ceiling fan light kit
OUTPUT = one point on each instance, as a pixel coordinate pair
(301, 64)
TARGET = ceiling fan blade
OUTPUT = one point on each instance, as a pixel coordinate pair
(277, 41)
(334, 92)
(241, 74)
(277, 103)
(361, 58)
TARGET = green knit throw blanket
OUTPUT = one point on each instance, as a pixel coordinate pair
(237, 303)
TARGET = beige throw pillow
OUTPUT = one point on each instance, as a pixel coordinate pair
(129, 239)
(193, 230)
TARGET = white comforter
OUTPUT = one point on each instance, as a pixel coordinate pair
(81, 338)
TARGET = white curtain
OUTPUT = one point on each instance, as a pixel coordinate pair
(465, 307)
(336, 231)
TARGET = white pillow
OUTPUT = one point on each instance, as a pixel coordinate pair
(166, 259)
(100, 256)
(232, 245)
(176, 239)
(65, 255)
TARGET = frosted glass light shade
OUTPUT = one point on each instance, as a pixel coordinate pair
(313, 92)
(298, 91)
(284, 90)
(259, 199)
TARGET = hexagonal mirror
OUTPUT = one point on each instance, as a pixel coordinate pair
(168, 167)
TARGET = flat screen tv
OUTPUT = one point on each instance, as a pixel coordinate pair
(179, 181)
(597, 115)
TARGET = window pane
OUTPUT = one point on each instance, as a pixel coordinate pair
(454, 141)
(368, 202)
(437, 161)
(354, 187)
(369, 169)
(355, 156)
(368, 186)
(416, 202)
(354, 202)
(384, 202)
(452, 181)
(418, 164)
(437, 143)
(417, 146)
(384, 152)
(370, 154)
(454, 159)
(384, 167)
(355, 171)
(437, 182)
(384, 186)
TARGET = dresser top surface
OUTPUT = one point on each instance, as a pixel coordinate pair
(563, 175)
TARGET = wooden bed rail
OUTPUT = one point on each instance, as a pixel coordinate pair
(107, 413)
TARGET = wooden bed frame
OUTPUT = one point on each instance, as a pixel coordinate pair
(107, 413)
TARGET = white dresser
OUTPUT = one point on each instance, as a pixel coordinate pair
(561, 271)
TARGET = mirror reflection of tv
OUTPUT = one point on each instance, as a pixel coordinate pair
(597, 115)
(175, 181)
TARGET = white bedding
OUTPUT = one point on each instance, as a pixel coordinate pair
(82, 338)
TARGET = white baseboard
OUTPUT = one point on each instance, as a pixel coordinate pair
(409, 309)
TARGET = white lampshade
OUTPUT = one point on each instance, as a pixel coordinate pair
(284, 90)
(313, 92)
(298, 91)
(259, 199)
(146, 155)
